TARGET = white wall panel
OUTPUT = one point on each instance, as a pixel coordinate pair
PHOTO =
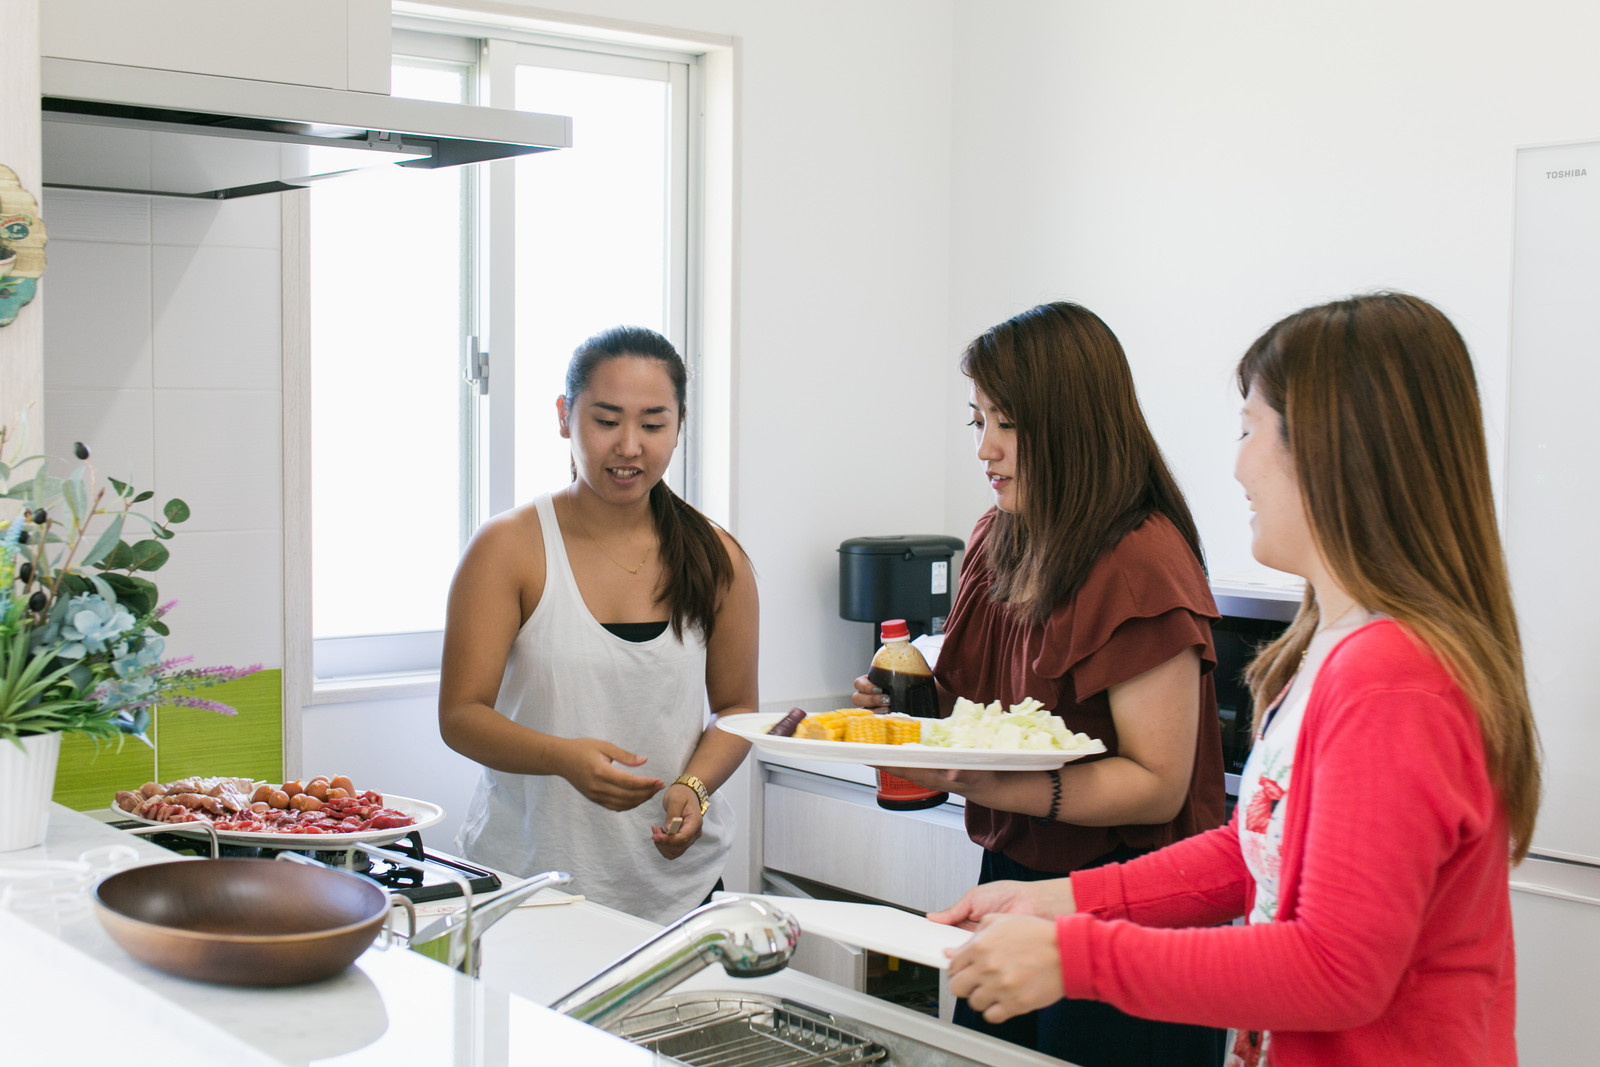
(229, 589)
(118, 425)
(209, 451)
(249, 222)
(1194, 172)
(102, 339)
(216, 317)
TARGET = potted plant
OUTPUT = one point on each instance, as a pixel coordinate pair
(82, 630)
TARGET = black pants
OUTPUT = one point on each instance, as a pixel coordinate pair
(1087, 1032)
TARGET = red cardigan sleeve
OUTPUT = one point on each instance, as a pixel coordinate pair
(1199, 881)
(1364, 845)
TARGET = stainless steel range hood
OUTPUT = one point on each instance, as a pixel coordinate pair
(166, 133)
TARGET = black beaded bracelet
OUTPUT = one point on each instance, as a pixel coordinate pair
(1055, 798)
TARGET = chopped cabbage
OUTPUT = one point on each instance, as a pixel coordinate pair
(1026, 726)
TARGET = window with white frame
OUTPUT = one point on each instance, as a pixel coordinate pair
(444, 307)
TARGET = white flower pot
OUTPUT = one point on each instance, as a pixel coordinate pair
(27, 778)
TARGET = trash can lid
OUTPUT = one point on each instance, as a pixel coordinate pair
(910, 545)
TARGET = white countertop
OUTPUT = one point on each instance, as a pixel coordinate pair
(81, 999)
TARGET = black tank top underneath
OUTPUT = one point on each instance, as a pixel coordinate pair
(637, 632)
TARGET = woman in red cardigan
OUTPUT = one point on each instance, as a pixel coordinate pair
(1395, 773)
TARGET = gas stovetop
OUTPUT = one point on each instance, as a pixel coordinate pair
(411, 880)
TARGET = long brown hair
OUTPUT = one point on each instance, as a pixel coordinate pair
(1088, 467)
(695, 568)
(1381, 416)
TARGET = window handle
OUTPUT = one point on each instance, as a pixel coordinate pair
(477, 367)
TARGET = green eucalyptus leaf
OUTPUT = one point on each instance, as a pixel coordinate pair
(142, 497)
(38, 491)
(149, 555)
(41, 489)
(77, 496)
(165, 534)
(103, 587)
(136, 594)
(160, 627)
(109, 539)
(176, 510)
(75, 584)
(120, 558)
(122, 488)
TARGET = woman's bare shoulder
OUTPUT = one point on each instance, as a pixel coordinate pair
(513, 539)
(743, 566)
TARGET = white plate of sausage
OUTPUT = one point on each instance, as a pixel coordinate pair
(421, 814)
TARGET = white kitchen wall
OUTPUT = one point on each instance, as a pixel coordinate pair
(1194, 172)
(162, 354)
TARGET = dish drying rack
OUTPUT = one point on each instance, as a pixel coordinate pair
(725, 1031)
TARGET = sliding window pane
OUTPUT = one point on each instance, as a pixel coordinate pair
(388, 322)
(592, 241)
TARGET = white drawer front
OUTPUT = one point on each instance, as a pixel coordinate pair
(834, 832)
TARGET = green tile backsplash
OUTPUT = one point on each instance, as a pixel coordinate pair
(88, 777)
(188, 741)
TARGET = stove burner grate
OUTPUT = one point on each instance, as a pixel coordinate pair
(414, 882)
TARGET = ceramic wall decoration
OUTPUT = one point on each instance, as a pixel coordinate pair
(22, 239)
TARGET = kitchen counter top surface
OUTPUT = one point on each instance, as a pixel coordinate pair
(82, 999)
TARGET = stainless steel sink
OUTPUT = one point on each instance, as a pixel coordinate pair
(721, 1029)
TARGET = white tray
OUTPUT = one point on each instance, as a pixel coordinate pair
(873, 926)
(424, 813)
(754, 727)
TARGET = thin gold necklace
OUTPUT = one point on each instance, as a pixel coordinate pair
(1336, 619)
(1330, 625)
(585, 527)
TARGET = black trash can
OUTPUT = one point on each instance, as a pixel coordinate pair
(901, 576)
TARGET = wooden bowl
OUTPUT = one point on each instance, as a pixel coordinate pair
(242, 921)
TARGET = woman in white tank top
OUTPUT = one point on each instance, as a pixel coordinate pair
(593, 636)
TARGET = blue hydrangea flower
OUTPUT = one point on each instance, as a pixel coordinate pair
(92, 626)
(147, 657)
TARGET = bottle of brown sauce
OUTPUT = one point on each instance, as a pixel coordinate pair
(900, 671)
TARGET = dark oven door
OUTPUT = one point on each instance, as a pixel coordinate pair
(1238, 639)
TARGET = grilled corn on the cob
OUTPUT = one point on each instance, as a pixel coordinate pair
(883, 730)
(860, 725)
(828, 725)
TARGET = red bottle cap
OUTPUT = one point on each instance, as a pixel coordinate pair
(893, 630)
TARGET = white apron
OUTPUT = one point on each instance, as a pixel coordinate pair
(567, 675)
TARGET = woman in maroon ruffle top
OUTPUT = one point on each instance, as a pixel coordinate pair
(1083, 587)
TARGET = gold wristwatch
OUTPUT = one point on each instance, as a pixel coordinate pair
(699, 788)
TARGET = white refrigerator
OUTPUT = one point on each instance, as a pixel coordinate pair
(1552, 507)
